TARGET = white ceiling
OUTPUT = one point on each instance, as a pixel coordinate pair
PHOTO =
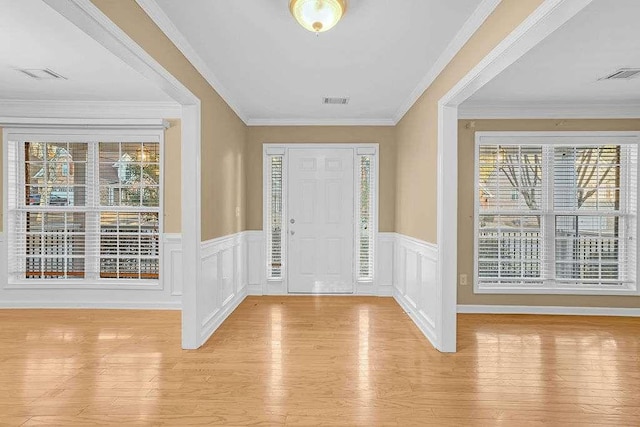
(564, 69)
(32, 35)
(270, 69)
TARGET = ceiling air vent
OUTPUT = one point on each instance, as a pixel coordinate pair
(42, 74)
(622, 74)
(335, 101)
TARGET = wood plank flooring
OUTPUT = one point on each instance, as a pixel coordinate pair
(344, 361)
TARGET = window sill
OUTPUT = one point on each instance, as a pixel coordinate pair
(558, 289)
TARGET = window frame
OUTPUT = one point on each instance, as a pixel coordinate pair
(91, 134)
(551, 287)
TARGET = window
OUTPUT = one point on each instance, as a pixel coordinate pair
(556, 213)
(275, 219)
(364, 210)
(365, 231)
(84, 210)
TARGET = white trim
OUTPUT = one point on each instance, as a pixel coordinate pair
(167, 26)
(622, 137)
(425, 326)
(50, 124)
(86, 16)
(547, 18)
(88, 109)
(550, 286)
(539, 110)
(536, 27)
(463, 35)
(191, 225)
(414, 282)
(280, 286)
(548, 310)
(212, 323)
(320, 122)
(90, 132)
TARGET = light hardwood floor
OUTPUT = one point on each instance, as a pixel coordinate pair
(314, 361)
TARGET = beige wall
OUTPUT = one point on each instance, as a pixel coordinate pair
(466, 158)
(383, 135)
(1, 183)
(417, 132)
(223, 133)
(172, 179)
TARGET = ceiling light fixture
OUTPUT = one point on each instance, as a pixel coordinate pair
(318, 16)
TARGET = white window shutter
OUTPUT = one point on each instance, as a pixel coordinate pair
(365, 232)
(58, 218)
(555, 215)
(275, 219)
(509, 201)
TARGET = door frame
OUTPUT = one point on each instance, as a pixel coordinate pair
(280, 286)
(547, 18)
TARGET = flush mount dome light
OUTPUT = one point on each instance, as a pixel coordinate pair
(318, 16)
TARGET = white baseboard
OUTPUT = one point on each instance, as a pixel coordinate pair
(224, 280)
(548, 310)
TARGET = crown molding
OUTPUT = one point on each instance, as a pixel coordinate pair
(321, 122)
(157, 15)
(86, 16)
(89, 109)
(545, 110)
(469, 28)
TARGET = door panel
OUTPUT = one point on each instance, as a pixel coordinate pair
(320, 222)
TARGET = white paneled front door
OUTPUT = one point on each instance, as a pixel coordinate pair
(320, 220)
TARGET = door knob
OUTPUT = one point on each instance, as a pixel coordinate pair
(292, 232)
(292, 221)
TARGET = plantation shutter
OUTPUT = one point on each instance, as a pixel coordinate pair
(365, 228)
(595, 192)
(275, 218)
(556, 215)
(62, 223)
(509, 200)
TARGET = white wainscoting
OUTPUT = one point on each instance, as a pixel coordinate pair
(167, 296)
(259, 285)
(385, 263)
(224, 280)
(415, 282)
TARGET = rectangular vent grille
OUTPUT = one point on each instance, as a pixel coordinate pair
(335, 101)
(622, 74)
(42, 74)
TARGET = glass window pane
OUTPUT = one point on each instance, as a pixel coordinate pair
(587, 178)
(510, 178)
(59, 175)
(274, 256)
